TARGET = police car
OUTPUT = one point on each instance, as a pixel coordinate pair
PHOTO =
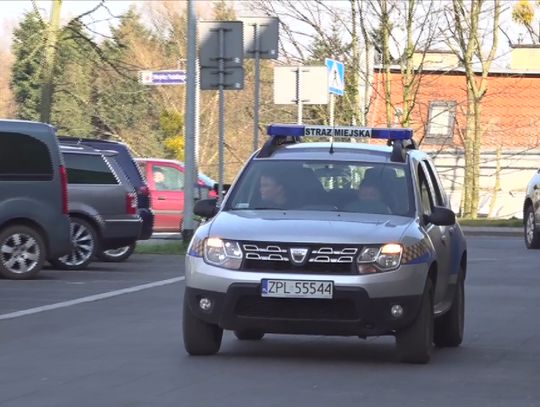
(329, 238)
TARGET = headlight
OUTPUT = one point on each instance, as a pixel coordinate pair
(374, 259)
(222, 253)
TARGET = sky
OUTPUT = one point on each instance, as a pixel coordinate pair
(12, 12)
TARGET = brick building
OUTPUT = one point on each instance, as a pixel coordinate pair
(510, 119)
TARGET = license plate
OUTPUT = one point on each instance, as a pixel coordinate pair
(297, 289)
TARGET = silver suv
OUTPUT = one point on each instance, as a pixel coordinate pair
(329, 239)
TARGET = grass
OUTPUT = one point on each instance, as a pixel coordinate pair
(492, 222)
(174, 247)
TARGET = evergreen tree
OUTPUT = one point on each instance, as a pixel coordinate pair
(28, 49)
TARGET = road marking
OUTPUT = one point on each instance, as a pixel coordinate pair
(90, 298)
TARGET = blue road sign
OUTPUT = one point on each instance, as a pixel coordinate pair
(170, 77)
(336, 76)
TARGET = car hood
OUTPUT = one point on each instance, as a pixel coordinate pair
(308, 226)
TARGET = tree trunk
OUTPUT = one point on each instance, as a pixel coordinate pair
(385, 22)
(477, 146)
(468, 183)
(47, 86)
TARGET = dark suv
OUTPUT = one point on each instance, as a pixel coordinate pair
(130, 168)
(34, 225)
(102, 205)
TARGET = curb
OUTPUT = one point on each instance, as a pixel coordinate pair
(492, 231)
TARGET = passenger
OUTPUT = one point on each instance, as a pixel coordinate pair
(370, 199)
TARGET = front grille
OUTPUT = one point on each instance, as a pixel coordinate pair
(296, 308)
(320, 259)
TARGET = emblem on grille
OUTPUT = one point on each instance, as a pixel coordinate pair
(298, 255)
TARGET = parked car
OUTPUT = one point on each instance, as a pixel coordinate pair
(165, 179)
(102, 206)
(130, 168)
(531, 213)
(34, 222)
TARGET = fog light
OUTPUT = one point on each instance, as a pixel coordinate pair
(396, 311)
(205, 304)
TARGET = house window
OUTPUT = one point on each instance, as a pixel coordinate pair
(441, 120)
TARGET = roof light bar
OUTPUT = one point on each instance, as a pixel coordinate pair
(300, 130)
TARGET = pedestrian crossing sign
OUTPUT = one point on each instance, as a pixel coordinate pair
(336, 76)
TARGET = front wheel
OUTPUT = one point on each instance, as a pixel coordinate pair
(449, 327)
(116, 255)
(84, 241)
(22, 252)
(200, 338)
(532, 236)
(415, 343)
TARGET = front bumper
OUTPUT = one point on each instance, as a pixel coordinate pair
(350, 312)
(361, 304)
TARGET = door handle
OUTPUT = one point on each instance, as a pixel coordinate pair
(161, 198)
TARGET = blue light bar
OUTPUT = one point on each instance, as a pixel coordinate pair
(301, 130)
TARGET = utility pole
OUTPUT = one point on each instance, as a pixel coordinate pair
(48, 64)
(190, 124)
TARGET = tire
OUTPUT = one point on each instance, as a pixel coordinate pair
(85, 242)
(200, 338)
(249, 335)
(116, 255)
(449, 327)
(22, 252)
(532, 236)
(415, 343)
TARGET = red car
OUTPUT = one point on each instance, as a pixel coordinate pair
(165, 179)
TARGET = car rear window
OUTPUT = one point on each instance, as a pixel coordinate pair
(88, 169)
(23, 157)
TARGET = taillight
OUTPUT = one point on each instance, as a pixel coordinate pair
(64, 182)
(131, 203)
(144, 190)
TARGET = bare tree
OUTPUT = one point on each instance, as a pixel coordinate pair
(468, 37)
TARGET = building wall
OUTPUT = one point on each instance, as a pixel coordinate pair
(510, 109)
(510, 117)
(515, 171)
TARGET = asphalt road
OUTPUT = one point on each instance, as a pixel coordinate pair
(112, 337)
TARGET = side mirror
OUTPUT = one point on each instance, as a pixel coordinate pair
(225, 188)
(441, 216)
(205, 208)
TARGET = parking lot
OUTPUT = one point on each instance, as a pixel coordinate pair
(111, 336)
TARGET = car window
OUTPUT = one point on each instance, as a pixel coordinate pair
(426, 197)
(324, 185)
(88, 169)
(439, 194)
(23, 157)
(167, 178)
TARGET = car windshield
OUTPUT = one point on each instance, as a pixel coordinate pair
(361, 187)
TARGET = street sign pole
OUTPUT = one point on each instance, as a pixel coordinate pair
(299, 94)
(189, 193)
(332, 105)
(261, 42)
(221, 70)
(257, 52)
